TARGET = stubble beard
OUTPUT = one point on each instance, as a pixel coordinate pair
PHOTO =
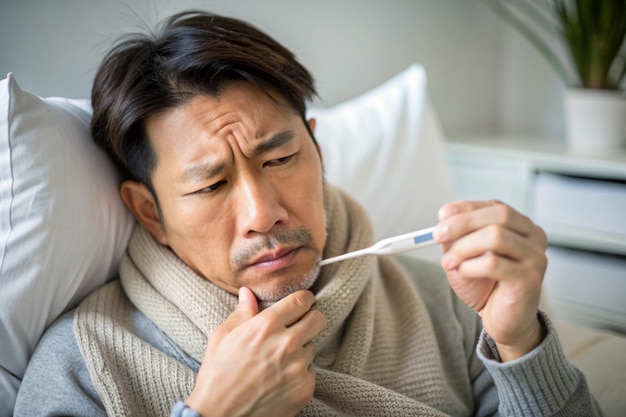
(304, 281)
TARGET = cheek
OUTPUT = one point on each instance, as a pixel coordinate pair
(201, 239)
(310, 199)
(322, 222)
(197, 226)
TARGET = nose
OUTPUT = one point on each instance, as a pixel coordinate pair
(259, 207)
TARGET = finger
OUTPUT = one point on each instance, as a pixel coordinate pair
(310, 326)
(309, 352)
(248, 305)
(464, 206)
(291, 308)
(495, 239)
(307, 356)
(302, 359)
(496, 268)
(489, 266)
(470, 216)
(304, 365)
(247, 308)
(465, 216)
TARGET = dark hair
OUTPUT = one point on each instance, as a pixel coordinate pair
(191, 53)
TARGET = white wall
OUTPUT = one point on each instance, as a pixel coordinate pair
(530, 91)
(481, 75)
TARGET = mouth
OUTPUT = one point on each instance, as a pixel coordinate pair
(277, 259)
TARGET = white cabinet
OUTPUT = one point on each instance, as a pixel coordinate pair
(581, 212)
(485, 176)
(580, 201)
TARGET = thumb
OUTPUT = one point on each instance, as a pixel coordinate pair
(246, 309)
(248, 305)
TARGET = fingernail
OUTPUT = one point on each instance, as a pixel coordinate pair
(449, 262)
(445, 212)
(441, 232)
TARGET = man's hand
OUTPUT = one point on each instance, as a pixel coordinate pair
(495, 261)
(260, 364)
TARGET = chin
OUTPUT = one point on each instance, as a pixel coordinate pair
(271, 294)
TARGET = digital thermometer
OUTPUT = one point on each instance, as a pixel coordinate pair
(389, 246)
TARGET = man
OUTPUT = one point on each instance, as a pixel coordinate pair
(222, 309)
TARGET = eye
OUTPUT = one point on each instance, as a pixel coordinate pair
(211, 188)
(279, 161)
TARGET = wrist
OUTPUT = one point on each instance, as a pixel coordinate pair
(532, 338)
(181, 409)
(201, 404)
(206, 403)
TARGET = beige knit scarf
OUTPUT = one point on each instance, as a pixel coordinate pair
(378, 355)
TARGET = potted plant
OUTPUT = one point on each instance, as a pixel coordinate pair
(584, 42)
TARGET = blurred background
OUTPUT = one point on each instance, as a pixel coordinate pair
(483, 77)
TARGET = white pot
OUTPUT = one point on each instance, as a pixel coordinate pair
(595, 120)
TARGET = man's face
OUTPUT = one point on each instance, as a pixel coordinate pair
(239, 183)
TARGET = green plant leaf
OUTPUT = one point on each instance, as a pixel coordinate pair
(533, 38)
(592, 32)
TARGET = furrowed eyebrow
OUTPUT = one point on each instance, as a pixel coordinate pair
(199, 172)
(276, 141)
(202, 171)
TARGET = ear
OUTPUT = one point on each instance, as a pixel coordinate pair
(142, 204)
(311, 123)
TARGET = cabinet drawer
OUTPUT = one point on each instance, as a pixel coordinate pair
(587, 287)
(581, 212)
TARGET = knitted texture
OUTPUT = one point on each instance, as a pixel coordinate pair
(377, 356)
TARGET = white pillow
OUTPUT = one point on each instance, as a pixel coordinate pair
(63, 227)
(385, 147)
